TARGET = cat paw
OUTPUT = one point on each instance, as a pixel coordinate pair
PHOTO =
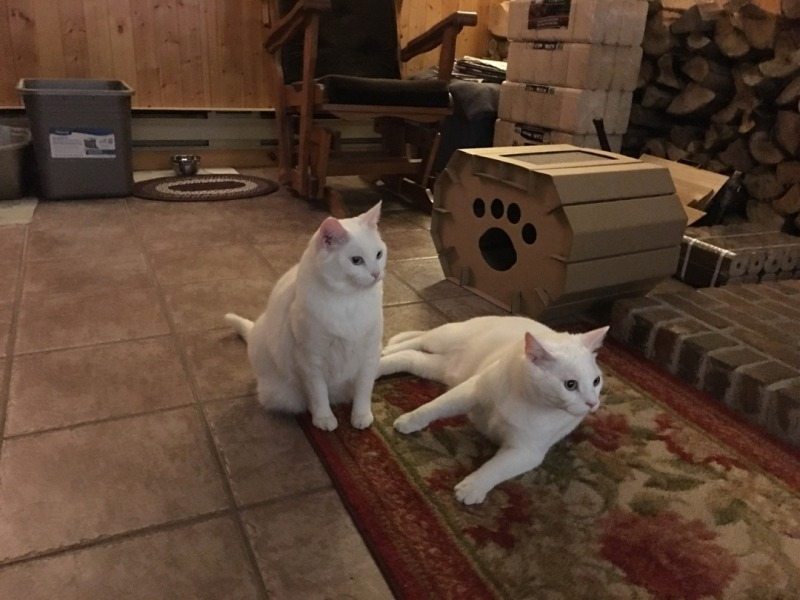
(325, 422)
(405, 424)
(497, 247)
(470, 491)
(361, 421)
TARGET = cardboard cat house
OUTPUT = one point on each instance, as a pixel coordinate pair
(548, 230)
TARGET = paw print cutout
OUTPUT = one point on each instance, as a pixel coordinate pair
(496, 245)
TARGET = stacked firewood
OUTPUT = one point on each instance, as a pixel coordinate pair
(719, 86)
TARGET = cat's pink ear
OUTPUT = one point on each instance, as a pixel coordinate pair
(534, 350)
(372, 216)
(594, 339)
(332, 233)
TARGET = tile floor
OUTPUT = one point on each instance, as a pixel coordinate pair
(134, 460)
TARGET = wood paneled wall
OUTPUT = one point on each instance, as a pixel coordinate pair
(174, 53)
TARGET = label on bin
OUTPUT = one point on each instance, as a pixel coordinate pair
(82, 143)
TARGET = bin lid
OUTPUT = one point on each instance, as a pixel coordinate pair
(74, 87)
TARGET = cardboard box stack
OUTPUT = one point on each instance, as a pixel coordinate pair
(569, 62)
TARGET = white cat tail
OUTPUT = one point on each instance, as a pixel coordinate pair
(239, 324)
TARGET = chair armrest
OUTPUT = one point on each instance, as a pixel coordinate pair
(436, 35)
(291, 22)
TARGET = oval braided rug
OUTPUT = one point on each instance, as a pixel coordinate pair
(204, 188)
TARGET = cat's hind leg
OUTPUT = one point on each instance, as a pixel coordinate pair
(421, 364)
(275, 395)
(457, 401)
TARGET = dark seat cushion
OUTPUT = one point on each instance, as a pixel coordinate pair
(343, 89)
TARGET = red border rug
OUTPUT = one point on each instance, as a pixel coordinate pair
(663, 493)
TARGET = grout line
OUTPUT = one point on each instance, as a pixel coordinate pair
(198, 404)
(94, 345)
(16, 306)
(110, 419)
(117, 537)
(156, 528)
(283, 498)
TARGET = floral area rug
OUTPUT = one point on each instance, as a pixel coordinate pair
(662, 494)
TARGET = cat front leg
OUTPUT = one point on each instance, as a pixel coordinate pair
(507, 463)
(361, 413)
(457, 401)
(318, 401)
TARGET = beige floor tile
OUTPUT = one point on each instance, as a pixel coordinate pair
(80, 319)
(203, 561)
(397, 292)
(9, 271)
(410, 243)
(280, 228)
(2, 381)
(6, 315)
(275, 213)
(108, 241)
(191, 264)
(283, 257)
(73, 485)
(462, 308)
(309, 548)
(201, 306)
(266, 455)
(149, 212)
(169, 232)
(417, 218)
(219, 364)
(56, 389)
(86, 275)
(425, 277)
(408, 317)
(12, 237)
(59, 214)
(401, 220)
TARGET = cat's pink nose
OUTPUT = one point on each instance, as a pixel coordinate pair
(593, 406)
(376, 276)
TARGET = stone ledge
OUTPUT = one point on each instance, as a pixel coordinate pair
(739, 343)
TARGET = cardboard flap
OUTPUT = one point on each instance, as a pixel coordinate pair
(695, 187)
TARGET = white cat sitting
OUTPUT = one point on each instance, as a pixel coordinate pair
(319, 340)
(523, 385)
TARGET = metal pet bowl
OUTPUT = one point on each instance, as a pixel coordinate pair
(185, 164)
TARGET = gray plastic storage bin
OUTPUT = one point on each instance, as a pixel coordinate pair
(13, 141)
(81, 136)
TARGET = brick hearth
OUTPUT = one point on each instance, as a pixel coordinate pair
(741, 344)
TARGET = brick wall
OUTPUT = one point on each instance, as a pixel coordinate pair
(741, 344)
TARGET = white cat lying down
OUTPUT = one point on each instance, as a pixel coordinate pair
(522, 385)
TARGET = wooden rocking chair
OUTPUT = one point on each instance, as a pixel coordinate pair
(341, 58)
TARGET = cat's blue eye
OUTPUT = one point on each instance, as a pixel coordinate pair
(571, 385)
(357, 260)
(380, 253)
(596, 381)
